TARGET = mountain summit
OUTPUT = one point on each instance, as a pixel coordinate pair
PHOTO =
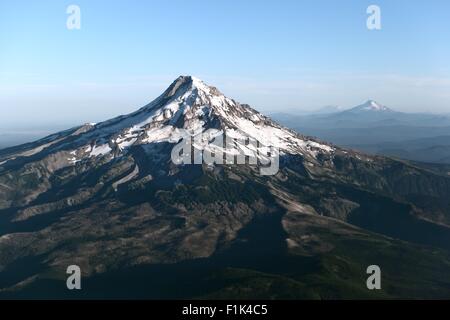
(372, 106)
(188, 105)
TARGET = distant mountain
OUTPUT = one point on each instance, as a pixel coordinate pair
(109, 198)
(368, 114)
(375, 128)
(370, 106)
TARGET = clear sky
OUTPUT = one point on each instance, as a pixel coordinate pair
(275, 55)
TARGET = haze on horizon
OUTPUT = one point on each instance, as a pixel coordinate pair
(277, 58)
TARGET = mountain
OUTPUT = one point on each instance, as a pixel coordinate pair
(370, 106)
(110, 198)
(187, 104)
(369, 113)
(374, 128)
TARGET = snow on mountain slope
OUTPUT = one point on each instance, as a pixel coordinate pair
(188, 105)
(370, 105)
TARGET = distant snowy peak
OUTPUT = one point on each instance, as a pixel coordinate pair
(371, 105)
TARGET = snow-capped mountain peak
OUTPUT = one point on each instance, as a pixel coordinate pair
(190, 106)
(193, 106)
(371, 105)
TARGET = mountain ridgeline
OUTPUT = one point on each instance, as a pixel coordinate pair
(108, 198)
(377, 129)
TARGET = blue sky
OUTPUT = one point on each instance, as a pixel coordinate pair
(275, 55)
